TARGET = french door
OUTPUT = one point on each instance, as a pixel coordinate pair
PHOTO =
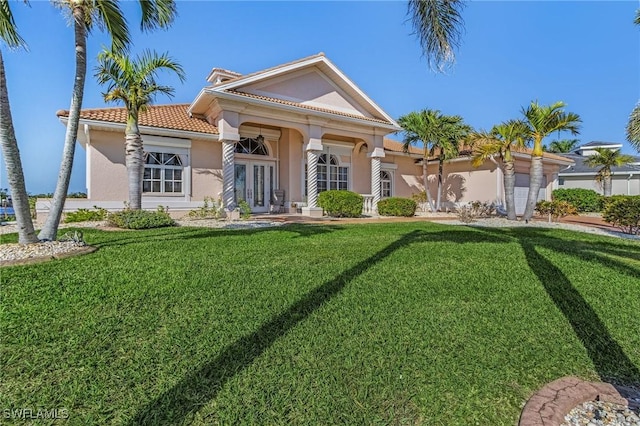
(254, 183)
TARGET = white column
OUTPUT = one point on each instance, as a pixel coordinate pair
(375, 156)
(375, 181)
(228, 174)
(312, 178)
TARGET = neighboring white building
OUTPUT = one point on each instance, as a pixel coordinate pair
(625, 179)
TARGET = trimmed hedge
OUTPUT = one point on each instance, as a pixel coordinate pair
(606, 201)
(584, 200)
(140, 219)
(339, 203)
(624, 212)
(555, 208)
(396, 206)
(85, 215)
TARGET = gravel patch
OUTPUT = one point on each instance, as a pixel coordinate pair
(599, 413)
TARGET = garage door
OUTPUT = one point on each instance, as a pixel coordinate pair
(522, 191)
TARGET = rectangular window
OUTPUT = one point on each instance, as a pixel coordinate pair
(163, 173)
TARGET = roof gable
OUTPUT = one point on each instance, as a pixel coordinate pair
(309, 82)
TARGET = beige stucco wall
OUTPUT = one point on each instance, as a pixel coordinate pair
(206, 170)
(107, 171)
(361, 172)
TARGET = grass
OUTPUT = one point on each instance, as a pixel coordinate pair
(406, 323)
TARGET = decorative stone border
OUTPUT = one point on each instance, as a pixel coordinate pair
(549, 405)
(40, 259)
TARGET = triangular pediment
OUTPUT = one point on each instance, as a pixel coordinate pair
(308, 87)
(312, 82)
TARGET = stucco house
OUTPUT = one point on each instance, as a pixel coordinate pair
(625, 180)
(302, 127)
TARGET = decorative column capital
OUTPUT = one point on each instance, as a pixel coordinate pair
(376, 153)
(313, 145)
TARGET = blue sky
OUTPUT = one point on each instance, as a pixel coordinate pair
(584, 53)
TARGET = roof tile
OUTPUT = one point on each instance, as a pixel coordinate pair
(173, 117)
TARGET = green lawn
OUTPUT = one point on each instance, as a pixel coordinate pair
(406, 323)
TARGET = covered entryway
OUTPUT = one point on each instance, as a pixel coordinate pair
(254, 182)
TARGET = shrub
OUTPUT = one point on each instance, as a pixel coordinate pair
(245, 209)
(140, 219)
(85, 215)
(396, 206)
(555, 209)
(421, 199)
(606, 201)
(209, 210)
(341, 203)
(625, 214)
(476, 209)
(584, 200)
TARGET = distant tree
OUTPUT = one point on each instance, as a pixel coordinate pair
(438, 25)
(563, 146)
(499, 142)
(133, 82)
(607, 158)
(543, 120)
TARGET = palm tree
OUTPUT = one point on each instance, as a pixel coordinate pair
(633, 127)
(438, 25)
(133, 82)
(563, 146)
(10, 151)
(85, 16)
(431, 130)
(543, 120)
(452, 133)
(607, 158)
(499, 142)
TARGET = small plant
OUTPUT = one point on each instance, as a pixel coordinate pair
(140, 219)
(86, 215)
(340, 203)
(467, 213)
(76, 236)
(584, 200)
(210, 210)
(396, 206)
(625, 214)
(421, 200)
(245, 209)
(555, 209)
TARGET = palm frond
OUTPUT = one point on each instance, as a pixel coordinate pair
(8, 29)
(637, 20)
(110, 17)
(157, 14)
(438, 25)
(633, 128)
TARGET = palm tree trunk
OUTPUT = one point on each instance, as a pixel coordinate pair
(535, 182)
(607, 186)
(440, 173)
(11, 154)
(509, 189)
(50, 229)
(426, 184)
(134, 159)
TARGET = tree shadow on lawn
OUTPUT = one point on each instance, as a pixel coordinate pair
(190, 233)
(607, 355)
(201, 385)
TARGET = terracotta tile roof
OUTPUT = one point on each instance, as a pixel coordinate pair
(309, 107)
(173, 117)
(395, 146)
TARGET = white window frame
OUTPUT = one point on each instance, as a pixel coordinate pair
(390, 180)
(179, 147)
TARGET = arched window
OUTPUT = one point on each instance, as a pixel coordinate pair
(386, 184)
(162, 173)
(254, 146)
(330, 174)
